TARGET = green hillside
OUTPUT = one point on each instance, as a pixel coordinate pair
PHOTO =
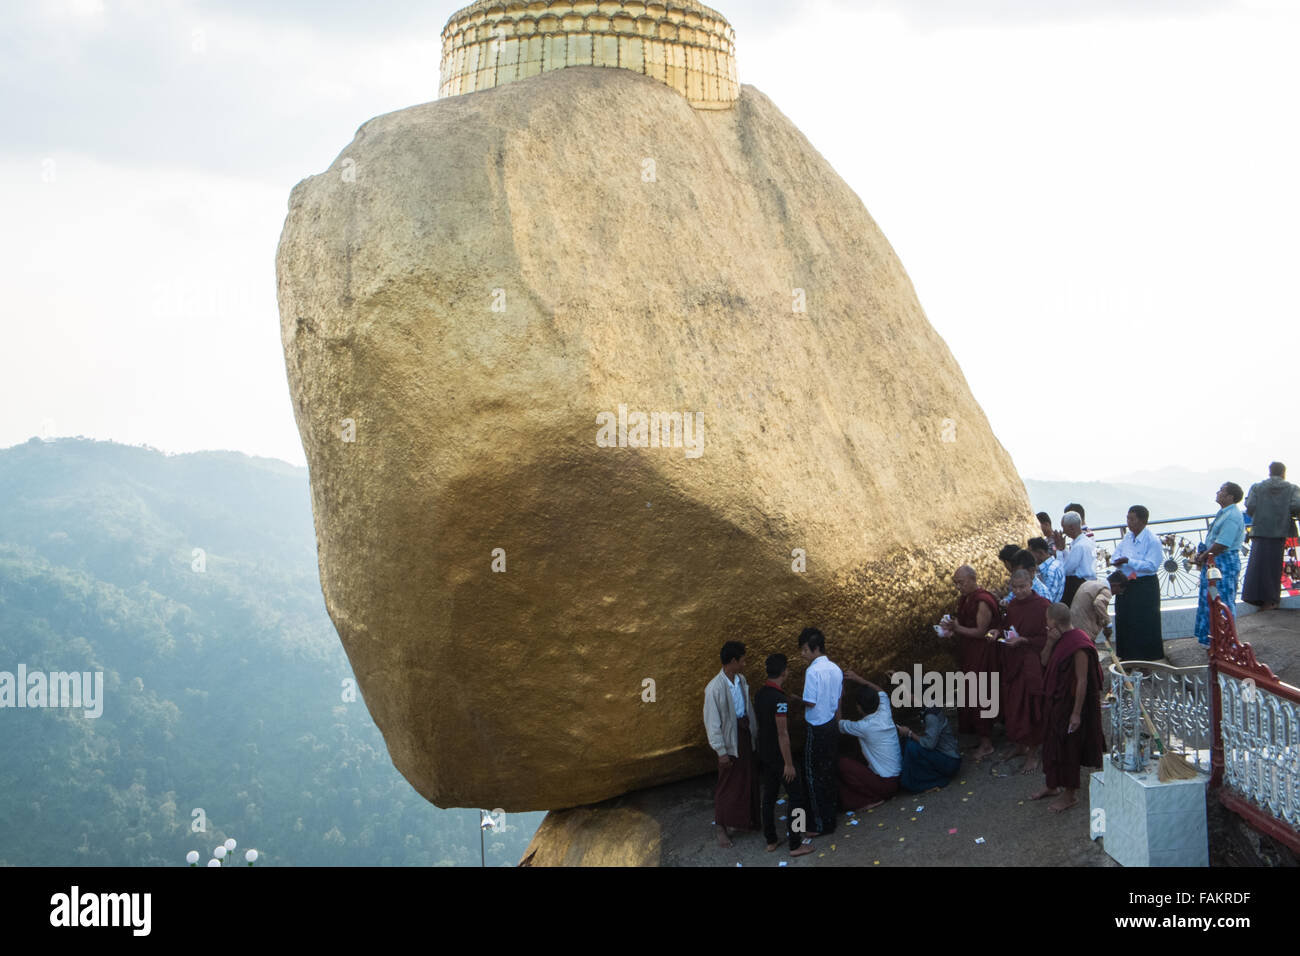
(223, 676)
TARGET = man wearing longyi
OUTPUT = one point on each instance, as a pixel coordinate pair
(1138, 635)
(823, 683)
(727, 710)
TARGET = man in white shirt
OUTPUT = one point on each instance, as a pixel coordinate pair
(864, 786)
(1079, 560)
(822, 685)
(1138, 634)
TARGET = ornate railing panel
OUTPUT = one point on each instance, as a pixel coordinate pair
(1256, 733)
(1261, 742)
(1177, 699)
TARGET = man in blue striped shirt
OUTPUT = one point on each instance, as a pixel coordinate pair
(1050, 571)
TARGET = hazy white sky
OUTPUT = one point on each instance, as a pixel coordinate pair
(1095, 199)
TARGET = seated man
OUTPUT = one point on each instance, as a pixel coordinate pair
(871, 781)
(929, 761)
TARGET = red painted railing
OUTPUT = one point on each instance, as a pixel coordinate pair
(1232, 658)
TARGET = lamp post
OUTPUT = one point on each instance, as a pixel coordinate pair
(485, 822)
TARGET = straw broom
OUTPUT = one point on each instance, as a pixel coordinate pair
(1171, 766)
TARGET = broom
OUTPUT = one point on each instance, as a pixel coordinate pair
(1171, 766)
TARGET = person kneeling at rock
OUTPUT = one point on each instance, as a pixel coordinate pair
(869, 782)
(931, 760)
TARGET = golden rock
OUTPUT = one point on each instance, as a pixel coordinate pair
(500, 291)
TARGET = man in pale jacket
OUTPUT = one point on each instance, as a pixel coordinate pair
(1272, 506)
(733, 735)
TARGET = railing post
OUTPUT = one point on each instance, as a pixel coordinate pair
(1216, 733)
(1217, 637)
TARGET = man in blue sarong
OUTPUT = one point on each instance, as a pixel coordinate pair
(1223, 540)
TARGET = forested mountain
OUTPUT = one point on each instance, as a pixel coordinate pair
(191, 582)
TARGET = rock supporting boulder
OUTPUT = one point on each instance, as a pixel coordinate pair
(482, 303)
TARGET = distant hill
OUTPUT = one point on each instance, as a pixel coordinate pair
(223, 686)
(1107, 503)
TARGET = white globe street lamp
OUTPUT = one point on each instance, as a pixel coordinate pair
(214, 862)
(192, 858)
(251, 857)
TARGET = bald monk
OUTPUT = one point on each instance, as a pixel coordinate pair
(1022, 669)
(977, 612)
(1072, 687)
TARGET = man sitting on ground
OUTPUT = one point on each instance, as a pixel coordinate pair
(931, 760)
(869, 782)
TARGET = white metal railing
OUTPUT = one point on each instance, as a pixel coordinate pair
(1261, 745)
(1177, 699)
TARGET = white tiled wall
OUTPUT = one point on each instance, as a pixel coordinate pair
(1149, 823)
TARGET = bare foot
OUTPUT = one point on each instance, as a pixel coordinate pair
(772, 846)
(1031, 765)
(804, 849)
(1045, 792)
(724, 841)
(1013, 752)
(1057, 806)
(982, 753)
(872, 806)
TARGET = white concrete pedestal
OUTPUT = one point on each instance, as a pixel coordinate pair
(1143, 822)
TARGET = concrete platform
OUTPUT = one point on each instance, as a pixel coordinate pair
(1143, 822)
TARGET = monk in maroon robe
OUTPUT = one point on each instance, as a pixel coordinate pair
(977, 613)
(1022, 669)
(1072, 688)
